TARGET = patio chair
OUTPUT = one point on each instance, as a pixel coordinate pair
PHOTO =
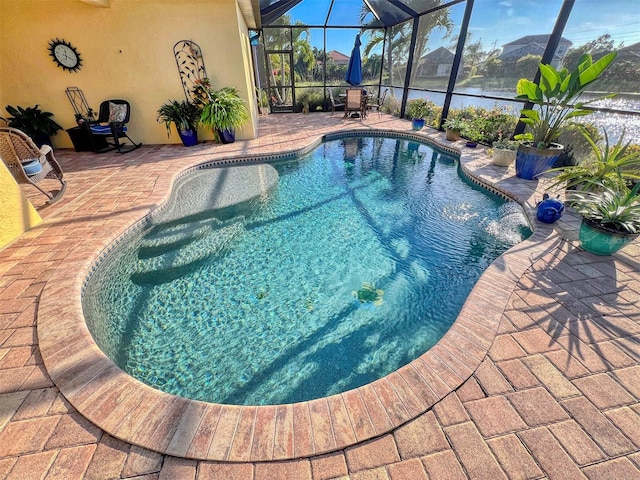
(111, 125)
(377, 104)
(356, 102)
(334, 104)
(28, 163)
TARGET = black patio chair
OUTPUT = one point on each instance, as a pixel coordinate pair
(111, 125)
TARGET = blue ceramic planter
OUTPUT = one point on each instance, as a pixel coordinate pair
(189, 137)
(417, 124)
(227, 135)
(602, 242)
(531, 161)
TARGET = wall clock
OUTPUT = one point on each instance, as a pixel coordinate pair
(65, 56)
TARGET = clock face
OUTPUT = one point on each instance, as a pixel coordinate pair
(66, 56)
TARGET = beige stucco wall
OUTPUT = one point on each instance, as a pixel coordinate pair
(17, 215)
(126, 51)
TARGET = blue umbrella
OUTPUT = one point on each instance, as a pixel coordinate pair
(354, 72)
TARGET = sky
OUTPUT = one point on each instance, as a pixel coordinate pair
(494, 22)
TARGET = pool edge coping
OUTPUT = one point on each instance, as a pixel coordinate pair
(138, 414)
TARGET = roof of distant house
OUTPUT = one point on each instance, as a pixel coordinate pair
(543, 39)
(338, 57)
(631, 48)
(439, 55)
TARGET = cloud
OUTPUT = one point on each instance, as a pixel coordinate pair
(505, 4)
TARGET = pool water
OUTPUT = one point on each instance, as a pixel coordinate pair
(354, 265)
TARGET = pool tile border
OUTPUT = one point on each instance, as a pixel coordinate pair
(141, 415)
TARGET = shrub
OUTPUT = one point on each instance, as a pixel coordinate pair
(314, 97)
(487, 124)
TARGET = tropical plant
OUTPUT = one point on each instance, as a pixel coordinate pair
(185, 115)
(32, 121)
(554, 95)
(612, 166)
(279, 38)
(472, 131)
(455, 124)
(398, 41)
(420, 108)
(615, 208)
(220, 109)
(504, 143)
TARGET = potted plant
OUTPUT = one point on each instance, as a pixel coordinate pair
(34, 122)
(611, 166)
(453, 126)
(610, 217)
(472, 131)
(418, 110)
(185, 116)
(555, 96)
(504, 151)
(221, 110)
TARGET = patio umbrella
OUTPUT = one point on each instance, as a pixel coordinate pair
(354, 72)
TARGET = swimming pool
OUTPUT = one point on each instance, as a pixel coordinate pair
(358, 262)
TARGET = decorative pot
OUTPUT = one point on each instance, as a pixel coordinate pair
(531, 161)
(41, 139)
(549, 210)
(471, 144)
(189, 137)
(452, 135)
(417, 124)
(503, 157)
(228, 135)
(596, 239)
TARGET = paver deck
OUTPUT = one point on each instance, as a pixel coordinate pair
(538, 378)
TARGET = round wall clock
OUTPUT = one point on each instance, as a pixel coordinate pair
(66, 56)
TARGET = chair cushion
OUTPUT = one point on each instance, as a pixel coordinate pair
(105, 129)
(117, 112)
(32, 167)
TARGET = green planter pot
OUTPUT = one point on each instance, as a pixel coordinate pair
(596, 239)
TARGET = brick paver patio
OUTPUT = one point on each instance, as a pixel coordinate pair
(557, 394)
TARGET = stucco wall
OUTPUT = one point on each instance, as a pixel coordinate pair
(17, 215)
(126, 51)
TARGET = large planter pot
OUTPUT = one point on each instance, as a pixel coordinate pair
(452, 135)
(417, 124)
(227, 135)
(503, 157)
(596, 239)
(41, 139)
(531, 161)
(189, 137)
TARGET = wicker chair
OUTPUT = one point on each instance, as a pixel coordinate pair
(28, 163)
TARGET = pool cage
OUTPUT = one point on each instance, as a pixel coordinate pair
(457, 53)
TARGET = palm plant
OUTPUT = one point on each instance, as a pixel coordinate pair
(400, 37)
(554, 95)
(32, 121)
(185, 115)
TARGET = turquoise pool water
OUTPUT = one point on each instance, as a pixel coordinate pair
(355, 264)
